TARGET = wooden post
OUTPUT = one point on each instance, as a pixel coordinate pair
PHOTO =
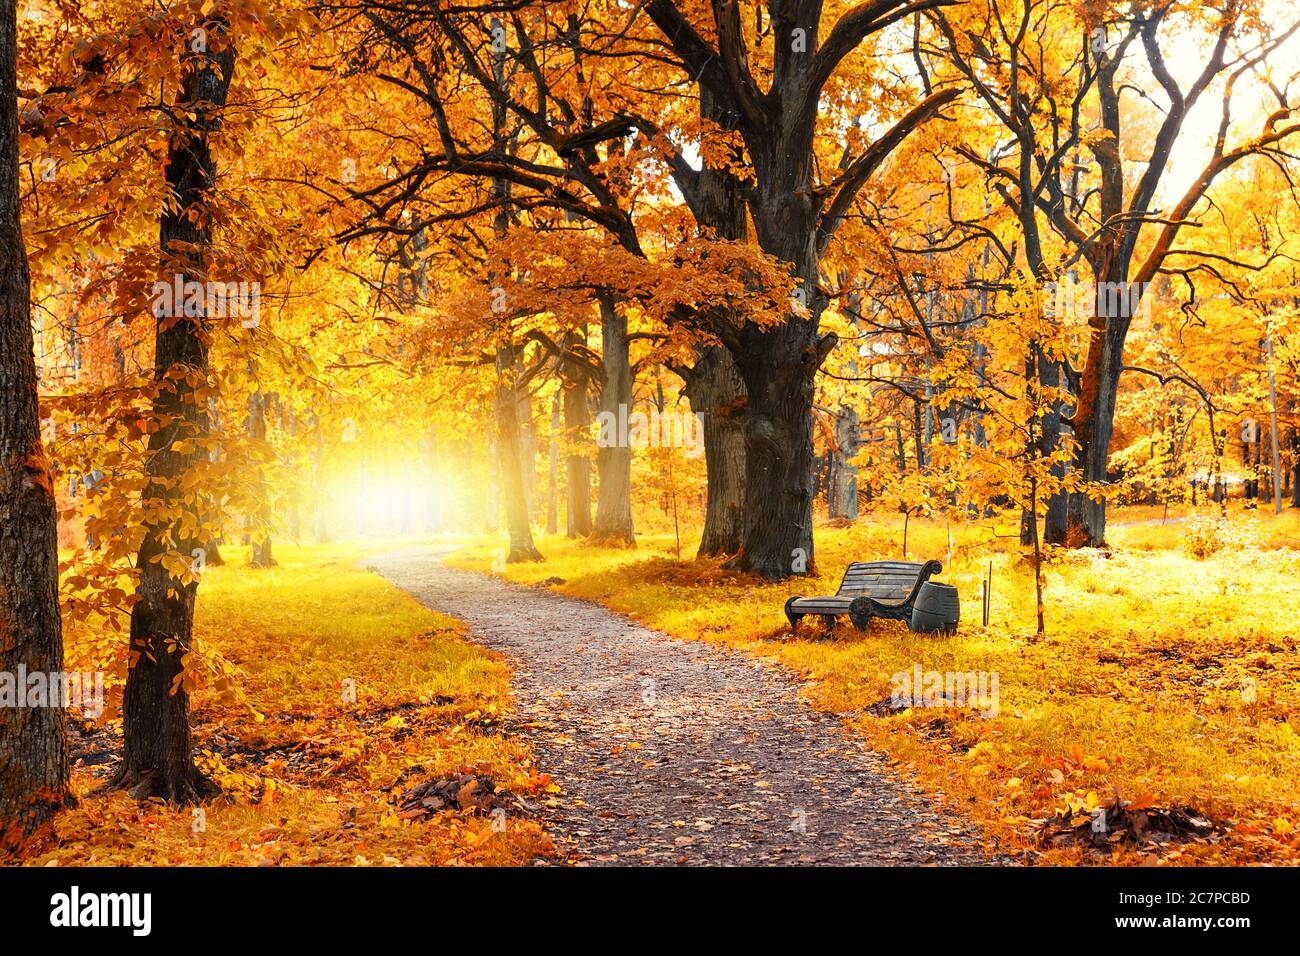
(988, 594)
(1272, 403)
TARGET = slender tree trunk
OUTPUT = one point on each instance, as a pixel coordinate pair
(510, 396)
(1055, 523)
(433, 519)
(261, 556)
(577, 466)
(295, 480)
(553, 469)
(1295, 468)
(320, 530)
(1260, 471)
(1217, 442)
(492, 490)
(1248, 484)
(1038, 553)
(527, 448)
(33, 758)
(508, 449)
(613, 524)
(842, 492)
(156, 758)
(918, 442)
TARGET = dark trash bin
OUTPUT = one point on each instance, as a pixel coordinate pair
(936, 608)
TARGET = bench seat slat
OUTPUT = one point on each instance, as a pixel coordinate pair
(879, 582)
(840, 605)
(883, 572)
(883, 585)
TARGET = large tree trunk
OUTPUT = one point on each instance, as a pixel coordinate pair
(717, 394)
(33, 759)
(613, 524)
(156, 758)
(778, 365)
(777, 529)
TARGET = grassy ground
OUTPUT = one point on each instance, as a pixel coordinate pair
(1170, 679)
(311, 776)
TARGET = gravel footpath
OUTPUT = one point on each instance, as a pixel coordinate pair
(679, 752)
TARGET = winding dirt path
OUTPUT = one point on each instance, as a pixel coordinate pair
(678, 752)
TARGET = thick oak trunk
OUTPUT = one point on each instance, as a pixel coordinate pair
(156, 752)
(777, 531)
(778, 366)
(33, 759)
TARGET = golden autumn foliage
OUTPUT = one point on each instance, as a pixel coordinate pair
(311, 773)
(1010, 285)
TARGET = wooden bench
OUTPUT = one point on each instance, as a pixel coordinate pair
(870, 589)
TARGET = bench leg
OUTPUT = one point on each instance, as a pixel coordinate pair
(860, 613)
(829, 621)
(792, 617)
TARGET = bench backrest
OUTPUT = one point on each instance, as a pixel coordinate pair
(894, 582)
